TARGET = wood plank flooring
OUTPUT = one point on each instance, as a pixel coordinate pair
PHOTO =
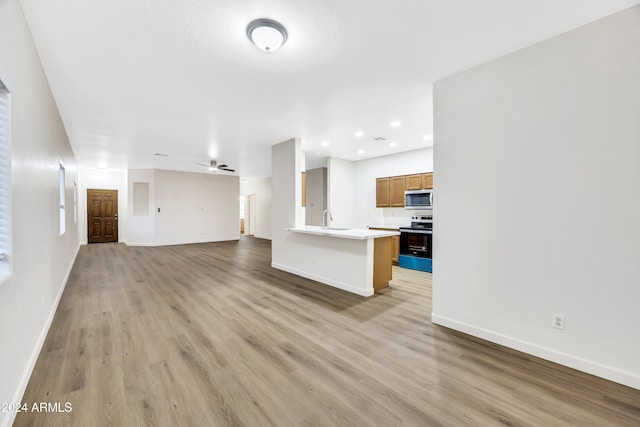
(211, 335)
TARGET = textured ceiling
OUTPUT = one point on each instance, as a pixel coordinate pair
(136, 77)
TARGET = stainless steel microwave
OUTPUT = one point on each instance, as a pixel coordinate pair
(418, 199)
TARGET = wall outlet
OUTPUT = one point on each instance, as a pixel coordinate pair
(558, 321)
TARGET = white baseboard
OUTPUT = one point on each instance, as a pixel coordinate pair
(195, 242)
(326, 281)
(26, 375)
(566, 359)
(262, 237)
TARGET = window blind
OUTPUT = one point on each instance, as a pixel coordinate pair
(5, 177)
(63, 222)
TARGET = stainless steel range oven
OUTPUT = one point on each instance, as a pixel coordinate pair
(417, 240)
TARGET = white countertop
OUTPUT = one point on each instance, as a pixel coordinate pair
(351, 233)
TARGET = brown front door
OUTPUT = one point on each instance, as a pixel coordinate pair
(102, 216)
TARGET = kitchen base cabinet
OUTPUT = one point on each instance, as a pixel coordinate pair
(395, 245)
(381, 266)
(354, 260)
(395, 249)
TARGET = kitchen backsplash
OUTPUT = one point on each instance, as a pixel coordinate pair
(396, 216)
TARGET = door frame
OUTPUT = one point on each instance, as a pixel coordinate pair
(249, 214)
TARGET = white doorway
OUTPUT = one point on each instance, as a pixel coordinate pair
(249, 213)
(242, 221)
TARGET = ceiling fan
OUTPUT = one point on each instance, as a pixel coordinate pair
(214, 166)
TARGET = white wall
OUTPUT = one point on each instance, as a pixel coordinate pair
(262, 210)
(366, 172)
(352, 188)
(286, 169)
(536, 160)
(316, 195)
(41, 258)
(196, 207)
(341, 178)
(102, 179)
(141, 228)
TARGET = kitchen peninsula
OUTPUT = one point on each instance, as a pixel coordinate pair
(355, 260)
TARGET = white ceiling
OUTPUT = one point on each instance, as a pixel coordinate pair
(132, 78)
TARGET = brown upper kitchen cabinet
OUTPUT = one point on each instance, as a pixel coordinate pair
(382, 192)
(390, 190)
(427, 181)
(396, 191)
(413, 182)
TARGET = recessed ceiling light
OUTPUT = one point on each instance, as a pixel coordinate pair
(359, 133)
(267, 34)
(393, 145)
(360, 151)
(428, 137)
(325, 143)
(395, 124)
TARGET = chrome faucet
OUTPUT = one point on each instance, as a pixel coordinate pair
(324, 213)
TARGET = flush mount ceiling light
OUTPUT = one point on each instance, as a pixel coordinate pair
(267, 34)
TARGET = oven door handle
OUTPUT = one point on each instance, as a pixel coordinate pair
(416, 231)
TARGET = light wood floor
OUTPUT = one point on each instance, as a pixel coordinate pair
(211, 335)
